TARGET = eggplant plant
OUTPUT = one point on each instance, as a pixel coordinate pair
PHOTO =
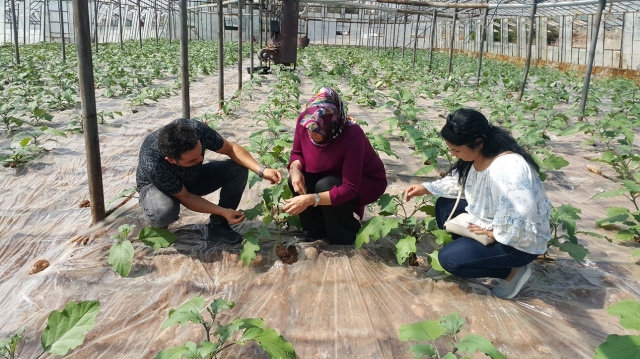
(65, 330)
(121, 252)
(220, 337)
(563, 218)
(449, 325)
(395, 218)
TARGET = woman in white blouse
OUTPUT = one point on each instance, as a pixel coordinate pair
(503, 196)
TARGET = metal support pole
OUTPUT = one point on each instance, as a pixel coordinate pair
(64, 51)
(251, 38)
(95, 8)
(120, 23)
(433, 36)
(184, 56)
(220, 56)
(385, 34)
(592, 54)
(529, 44)
(239, 45)
(24, 22)
(15, 31)
(155, 16)
(404, 34)
(622, 40)
(453, 37)
(393, 38)
(169, 20)
(415, 40)
(89, 115)
(483, 39)
(139, 24)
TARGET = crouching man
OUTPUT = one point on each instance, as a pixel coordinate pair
(171, 172)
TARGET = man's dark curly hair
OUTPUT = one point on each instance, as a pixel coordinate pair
(176, 139)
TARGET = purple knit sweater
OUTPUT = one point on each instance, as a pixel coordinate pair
(350, 157)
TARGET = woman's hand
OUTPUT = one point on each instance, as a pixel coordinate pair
(415, 190)
(480, 231)
(298, 204)
(297, 180)
(232, 216)
(272, 175)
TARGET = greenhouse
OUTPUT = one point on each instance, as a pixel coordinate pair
(88, 270)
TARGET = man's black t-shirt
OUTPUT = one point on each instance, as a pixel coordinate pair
(167, 177)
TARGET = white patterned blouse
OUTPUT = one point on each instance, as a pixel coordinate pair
(508, 198)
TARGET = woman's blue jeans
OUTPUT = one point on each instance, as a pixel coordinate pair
(468, 258)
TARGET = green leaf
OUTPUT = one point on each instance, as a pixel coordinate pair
(433, 260)
(251, 244)
(375, 228)
(619, 347)
(226, 331)
(272, 342)
(294, 221)
(576, 251)
(609, 194)
(387, 205)
(219, 304)
(472, 343)
(452, 323)
(125, 193)
(157, 238)
(172, 353)
(442, 237)
(254, 212)
(25, 141)
(629, 312)
(423, 349)
(120, 257)
(188, 312)
(625, 235)
(253, 179)
(65, 330)
(425, 330)
(207, 348)
(554, 162)
(614, 215)
(449, 356)
(636, 253)
(425, 170)
(404, 248)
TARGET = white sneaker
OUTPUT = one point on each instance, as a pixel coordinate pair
(510, 289)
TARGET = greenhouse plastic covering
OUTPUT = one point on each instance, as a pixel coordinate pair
(335, 302)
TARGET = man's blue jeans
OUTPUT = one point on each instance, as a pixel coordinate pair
(468, 258)
(160, 209)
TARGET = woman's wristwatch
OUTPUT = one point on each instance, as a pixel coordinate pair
(317, 200)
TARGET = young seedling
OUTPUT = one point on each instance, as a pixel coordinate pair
(121, 252)
(449, 325)
(564, 218)
(393, 218)
(65, 330)
(251, 329)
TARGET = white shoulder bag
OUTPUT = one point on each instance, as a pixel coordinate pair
(458, 225)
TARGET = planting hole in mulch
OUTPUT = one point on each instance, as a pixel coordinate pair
(288, 255)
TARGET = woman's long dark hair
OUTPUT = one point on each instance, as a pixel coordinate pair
(470, 128)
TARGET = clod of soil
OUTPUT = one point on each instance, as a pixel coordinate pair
(427, 162)
(39, 266)
(443, 174)
(287, 255)
(84, 204)
(595, 169)
(81, 240)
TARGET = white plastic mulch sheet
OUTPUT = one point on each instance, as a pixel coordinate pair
(335, 302)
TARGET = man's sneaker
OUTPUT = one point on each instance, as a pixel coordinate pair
(223, 233)
(437, 275)
(510, 289)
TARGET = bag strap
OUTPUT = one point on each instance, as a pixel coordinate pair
(456, 205)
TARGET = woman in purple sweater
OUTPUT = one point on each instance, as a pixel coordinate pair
(333, 171)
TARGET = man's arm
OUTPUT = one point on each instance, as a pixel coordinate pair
(199, 204)
(239, 155)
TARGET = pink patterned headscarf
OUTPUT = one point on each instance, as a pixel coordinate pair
(325, 115)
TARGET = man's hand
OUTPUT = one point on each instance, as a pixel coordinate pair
(232, 216)
(297, 181)
(272, 175)
(415, 190)
(480, 231)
